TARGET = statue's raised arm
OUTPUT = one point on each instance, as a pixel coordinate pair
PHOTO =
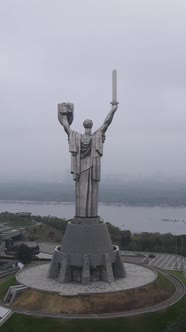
(109, 118)
(66, 115)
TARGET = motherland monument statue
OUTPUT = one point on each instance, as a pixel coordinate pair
(86, 152)
(86, 253)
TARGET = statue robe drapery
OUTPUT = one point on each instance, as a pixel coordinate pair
(86, 153)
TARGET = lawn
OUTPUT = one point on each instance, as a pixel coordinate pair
(5, 284)
(20, 223)
(179, 275)
(156, 322)
(99, 303)
(11, 219)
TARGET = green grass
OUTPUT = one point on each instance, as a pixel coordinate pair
(179, 275)
(20, 223)
(14, 221)
(5, 284)
(164, 283)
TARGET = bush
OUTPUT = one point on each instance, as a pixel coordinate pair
(24, 253)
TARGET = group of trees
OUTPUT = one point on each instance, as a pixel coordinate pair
(57, 223)
(126, 240)
(144, 241)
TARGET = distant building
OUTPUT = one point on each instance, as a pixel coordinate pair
(6, 265)
(23, 214)
(9, 233)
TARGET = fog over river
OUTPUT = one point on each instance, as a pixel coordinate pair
(135, 218)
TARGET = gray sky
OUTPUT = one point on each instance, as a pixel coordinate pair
(56, 51)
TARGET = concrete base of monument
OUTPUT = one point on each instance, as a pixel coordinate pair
(86, 254)
(35, 277)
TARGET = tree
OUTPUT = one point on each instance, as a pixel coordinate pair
(51, 234)
(125, 239)
(24, 253)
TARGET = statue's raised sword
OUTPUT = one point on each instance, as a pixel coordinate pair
(114, 87)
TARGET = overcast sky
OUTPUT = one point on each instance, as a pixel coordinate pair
(56, 51)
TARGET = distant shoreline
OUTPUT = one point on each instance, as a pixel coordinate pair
(100, 203)
(136, 218)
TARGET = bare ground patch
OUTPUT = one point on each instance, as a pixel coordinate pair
(145, 296)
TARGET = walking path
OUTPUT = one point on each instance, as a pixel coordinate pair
(4, 314)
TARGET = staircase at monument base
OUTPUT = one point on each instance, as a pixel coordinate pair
(13, 292)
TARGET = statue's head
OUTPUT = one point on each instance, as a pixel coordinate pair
(87, 123)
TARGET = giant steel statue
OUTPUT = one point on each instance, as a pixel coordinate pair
(86, 253)
(86, 152)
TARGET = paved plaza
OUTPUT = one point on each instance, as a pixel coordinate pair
(161, 260)
(36, 278)
(3, 311)
(4, 314)
(168, 262)
(47, 247)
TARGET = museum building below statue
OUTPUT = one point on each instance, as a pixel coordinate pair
(86, 254)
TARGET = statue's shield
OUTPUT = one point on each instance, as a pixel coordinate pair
(66, 109)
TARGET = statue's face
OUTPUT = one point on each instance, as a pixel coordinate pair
(87, 123)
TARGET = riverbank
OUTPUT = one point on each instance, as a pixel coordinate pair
(162, 219)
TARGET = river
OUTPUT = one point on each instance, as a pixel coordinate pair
(134, 218)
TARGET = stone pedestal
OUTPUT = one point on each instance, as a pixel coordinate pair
(86, 254)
